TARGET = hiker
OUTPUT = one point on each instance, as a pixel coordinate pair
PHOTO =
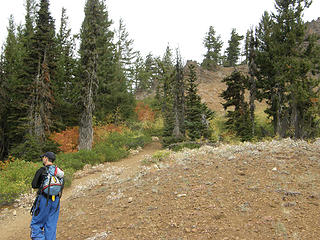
(45, 210)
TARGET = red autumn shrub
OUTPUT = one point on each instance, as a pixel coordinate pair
(68, 139)
(144, 112)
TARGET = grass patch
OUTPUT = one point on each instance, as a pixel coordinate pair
(157, 157)
(182, 145)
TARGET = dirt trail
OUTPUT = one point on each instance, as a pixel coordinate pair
(15, 225)
(259, 191)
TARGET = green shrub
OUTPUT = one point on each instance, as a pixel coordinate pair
(110, 153)
(16, 179)
(157, 157)
(116, 140)
(155, 128)
(181, 146)
(89, 157)
(69, 161)
(136, 141)
(161, 155)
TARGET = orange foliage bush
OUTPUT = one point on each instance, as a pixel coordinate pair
(68, 139)
(144, 112)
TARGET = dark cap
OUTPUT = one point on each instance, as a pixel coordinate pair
(49, 155)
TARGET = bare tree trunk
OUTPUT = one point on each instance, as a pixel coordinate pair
(252, 72)
(176, 129)
(85, 128)
(38, 116)
(278, 115)
(284, 124)
(178, 107)
(296, 120)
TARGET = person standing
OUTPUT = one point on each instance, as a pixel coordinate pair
(45, 211)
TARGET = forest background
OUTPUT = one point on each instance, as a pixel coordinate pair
(80, 101)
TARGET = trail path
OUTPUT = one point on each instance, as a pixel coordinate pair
(14, 224)
(250, 191)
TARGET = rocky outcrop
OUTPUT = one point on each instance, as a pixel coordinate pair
(313, 27)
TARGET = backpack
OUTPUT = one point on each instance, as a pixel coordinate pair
(53, 181)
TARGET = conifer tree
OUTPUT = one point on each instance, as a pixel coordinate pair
(144, 73)
(233, 50)
(104, 86)
(89, 52)
(114, 97)
(238, 119)
(287, 60)
(21, 89)
(9, 68)
(253, 71)
(43, 48)
(178, 99)
(164, 90)
(3, 114)
(151, 70)
(126, 54)
(164, 93)
(66, 87)
(197, 115)
(15, 92)
(268, 88)
(213, 45)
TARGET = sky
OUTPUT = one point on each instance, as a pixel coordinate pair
(153, 25)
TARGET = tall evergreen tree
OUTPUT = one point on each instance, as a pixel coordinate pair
(270, 89)
(9, 68)
(104, 86)
(164, 93)
(89, 52)
(151, 70)
(3, 115)
(233, 50)
(247, 47)
(178, 99)
(114, 98)
(66, 87)
(126, 54)
(287, 61)
(21, 89)
(145, 73)
(43, 49)
(197, 115)
(213, 45)
(252, 76)
(239, 118)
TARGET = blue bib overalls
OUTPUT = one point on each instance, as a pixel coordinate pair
(44, 225)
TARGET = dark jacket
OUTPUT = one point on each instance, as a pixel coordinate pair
(38, 177)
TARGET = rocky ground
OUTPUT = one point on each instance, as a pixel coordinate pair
(267, 190)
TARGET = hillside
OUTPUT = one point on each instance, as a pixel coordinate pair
(210, 82)
(313, 27)
(211, 86)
